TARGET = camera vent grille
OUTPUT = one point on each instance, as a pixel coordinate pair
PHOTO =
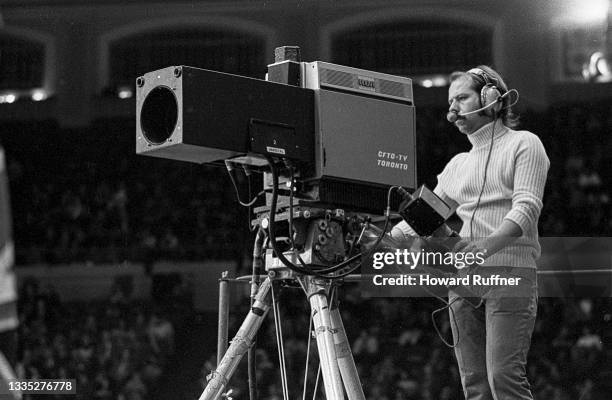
(337, 78)
(391, 88)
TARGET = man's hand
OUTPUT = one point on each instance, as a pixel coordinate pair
(503, 236)
(481, 246)
(471, 246)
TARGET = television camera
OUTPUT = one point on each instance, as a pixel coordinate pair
(349, 133)
(332, 142)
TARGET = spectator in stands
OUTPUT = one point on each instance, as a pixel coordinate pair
(161, 335)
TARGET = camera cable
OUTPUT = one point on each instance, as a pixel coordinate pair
(280, 344)
(249, 203)
(484, 180)
(271, 226)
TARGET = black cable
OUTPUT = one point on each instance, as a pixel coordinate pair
(250, 217)
(484, 181)
(291, 240)
(249, 203)
(305, 269)
(272, 233)
(291, 209)
(279, 341)
(361, 255)
(309, 341)
(372, 249)
(447, 304)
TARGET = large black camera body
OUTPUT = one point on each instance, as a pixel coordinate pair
(350, 133)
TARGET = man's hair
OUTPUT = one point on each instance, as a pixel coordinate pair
(510, 119)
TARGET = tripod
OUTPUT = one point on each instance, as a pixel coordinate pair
(319, 235)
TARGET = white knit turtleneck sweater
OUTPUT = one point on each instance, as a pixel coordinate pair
(514, 187)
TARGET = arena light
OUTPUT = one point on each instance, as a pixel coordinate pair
(427, 83)
(597, 68)
(582, 12)
(125, 92)
(591, 10)
(39, 95)
(430, 81)
(8, 98)
(439, 81)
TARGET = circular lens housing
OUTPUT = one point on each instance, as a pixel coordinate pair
(159, 115)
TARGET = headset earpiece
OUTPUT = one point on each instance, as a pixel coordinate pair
(490, 94)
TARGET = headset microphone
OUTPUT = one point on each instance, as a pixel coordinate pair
(453, 116)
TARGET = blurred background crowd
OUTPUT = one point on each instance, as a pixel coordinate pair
(84, 196)
(121, 348)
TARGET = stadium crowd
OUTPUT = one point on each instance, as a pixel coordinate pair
(120, 348)
(84, 196)
(115, 349)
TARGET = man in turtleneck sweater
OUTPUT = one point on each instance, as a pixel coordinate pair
(496, 190)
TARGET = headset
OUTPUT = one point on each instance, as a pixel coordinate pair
(490, 96)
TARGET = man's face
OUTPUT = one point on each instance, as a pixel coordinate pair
(461, 99)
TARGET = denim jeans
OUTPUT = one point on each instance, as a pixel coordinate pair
(493, 339)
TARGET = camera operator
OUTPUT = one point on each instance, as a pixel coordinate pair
(496, 189)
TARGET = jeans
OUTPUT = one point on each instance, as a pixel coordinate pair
(493, 339)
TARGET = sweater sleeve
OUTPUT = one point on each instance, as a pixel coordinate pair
(402, 231)
(530, 170)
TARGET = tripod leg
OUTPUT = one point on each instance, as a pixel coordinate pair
(325, 343)
(240, 344)
(346, 363)
(223, 317)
